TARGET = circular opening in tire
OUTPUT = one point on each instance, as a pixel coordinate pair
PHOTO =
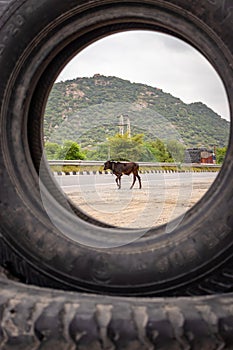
(66, 246)
(120, 114)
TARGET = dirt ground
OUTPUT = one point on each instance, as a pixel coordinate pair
(140, 208)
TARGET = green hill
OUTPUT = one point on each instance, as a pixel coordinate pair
(87, 110)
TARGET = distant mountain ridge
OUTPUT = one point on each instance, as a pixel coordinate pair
(87, 111)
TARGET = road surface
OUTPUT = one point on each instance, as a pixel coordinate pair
(162, 198)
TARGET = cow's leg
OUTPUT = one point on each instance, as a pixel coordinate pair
(118, 181)
(139, 180)
(134, 179)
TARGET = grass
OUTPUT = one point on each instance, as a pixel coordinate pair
(92, 168)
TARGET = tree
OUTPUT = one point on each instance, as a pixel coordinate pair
(101, 152)
(70, 150)
(220, 154)
(51, 150)
(122, 147)
(159, 151)
(176, 150)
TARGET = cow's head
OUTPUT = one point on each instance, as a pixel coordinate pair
(108, 165)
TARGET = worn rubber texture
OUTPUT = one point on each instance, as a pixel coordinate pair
(36, 318)
(45, 239)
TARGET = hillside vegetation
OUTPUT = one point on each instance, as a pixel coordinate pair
(87, 110)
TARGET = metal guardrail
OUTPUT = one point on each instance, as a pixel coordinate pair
(141, 164)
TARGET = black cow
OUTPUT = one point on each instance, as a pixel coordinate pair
(119, 169)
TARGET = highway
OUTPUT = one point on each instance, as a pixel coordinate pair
(70, 183)
(163, 197)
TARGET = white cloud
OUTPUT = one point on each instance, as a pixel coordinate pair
(154, 59)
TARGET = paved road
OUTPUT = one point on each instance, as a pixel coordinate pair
(162, 198)
(71, 183)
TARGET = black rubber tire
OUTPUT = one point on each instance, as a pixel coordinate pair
(38, 224)
(36, 318)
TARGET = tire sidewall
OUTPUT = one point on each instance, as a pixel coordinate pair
(200, 243)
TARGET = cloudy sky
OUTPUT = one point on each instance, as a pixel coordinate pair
(155, 59)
